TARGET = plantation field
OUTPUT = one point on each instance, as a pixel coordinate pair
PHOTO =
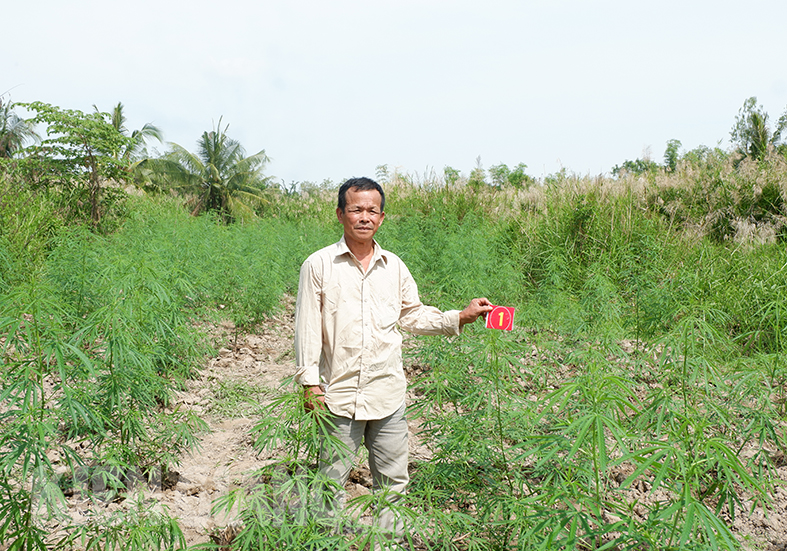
(239, 381)
(638, 404)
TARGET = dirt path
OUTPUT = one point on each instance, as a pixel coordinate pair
(226, 458)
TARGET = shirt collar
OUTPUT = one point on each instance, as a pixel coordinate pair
(379, 253)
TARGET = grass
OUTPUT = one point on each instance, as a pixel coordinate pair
(233, 399)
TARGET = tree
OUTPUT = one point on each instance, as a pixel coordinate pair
(219, 177)
(477, 177)
(80, 154)
(450, 175)
(135, 149)
(671, 155)
(752, 134)
(14, 131)
(502, 176)
(637, 167)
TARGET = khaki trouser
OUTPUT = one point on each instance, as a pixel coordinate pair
(386, 440)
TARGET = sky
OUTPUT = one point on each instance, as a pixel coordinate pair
(333, 89)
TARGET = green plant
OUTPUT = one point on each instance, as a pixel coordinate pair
(477, 178)
(93, 342)
(502, 176)
(220, 177)
(38, 362)
(752, 134)
(636, 167)
(671, 155)
(135, 149)
(692, 453)
(291, 503)
(14, 131)
(138, 529)
(472, 412)
(637, 405)
(80, 154)
(451, 176)
(237, 398)
(698, 470)
(28, 219)
(285, 510)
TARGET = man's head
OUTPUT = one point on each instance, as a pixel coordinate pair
(361, 184)
(360, 210)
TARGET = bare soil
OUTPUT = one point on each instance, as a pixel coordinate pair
(226, 458)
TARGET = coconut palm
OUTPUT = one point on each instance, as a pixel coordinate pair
(14, 132)
(218, 178)
(135, 150)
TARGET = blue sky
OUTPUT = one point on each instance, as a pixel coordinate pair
(332, 89)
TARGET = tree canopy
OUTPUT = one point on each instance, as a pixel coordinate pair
(752, 134)
(80, 154)
(219, 177)
(135, 149)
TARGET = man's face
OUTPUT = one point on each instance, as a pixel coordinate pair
(362, 215)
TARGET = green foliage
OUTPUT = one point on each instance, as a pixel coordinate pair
(519, 465)
(636, 167)
(466, 258)
(238, 399)
(502, 176)
(752, 135)
(135, 149)
(28, 220)
(451, 176)
(219, 178)
(291, 505)
(93, 360)
(477, 177)
(706, 159)
(97, 337)
(32, 353)
(77, 159)
(723, 200)
(635, 406)
(138, 529)
(14, 131)
(671, 155)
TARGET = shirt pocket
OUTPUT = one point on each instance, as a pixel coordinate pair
(331, 298)
(389, 307)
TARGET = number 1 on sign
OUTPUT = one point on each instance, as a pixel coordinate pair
(501, 317)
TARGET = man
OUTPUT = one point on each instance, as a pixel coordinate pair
(351, 297)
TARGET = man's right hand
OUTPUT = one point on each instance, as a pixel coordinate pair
(314, 398)
(477, 307)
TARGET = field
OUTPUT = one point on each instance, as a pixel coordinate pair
(639, 402)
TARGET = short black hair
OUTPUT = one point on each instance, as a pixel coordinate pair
(361, 184)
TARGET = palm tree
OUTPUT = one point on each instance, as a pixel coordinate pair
(218, 178)
(14, 132)
(135, 150)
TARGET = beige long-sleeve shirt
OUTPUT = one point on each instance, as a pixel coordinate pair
(346, 335)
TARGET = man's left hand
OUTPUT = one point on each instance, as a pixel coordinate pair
(476, 308)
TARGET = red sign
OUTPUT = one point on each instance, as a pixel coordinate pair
(501, 317)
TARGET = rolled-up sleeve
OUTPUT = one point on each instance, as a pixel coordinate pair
(308, 326)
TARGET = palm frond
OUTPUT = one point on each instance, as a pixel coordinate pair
(218, 177)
